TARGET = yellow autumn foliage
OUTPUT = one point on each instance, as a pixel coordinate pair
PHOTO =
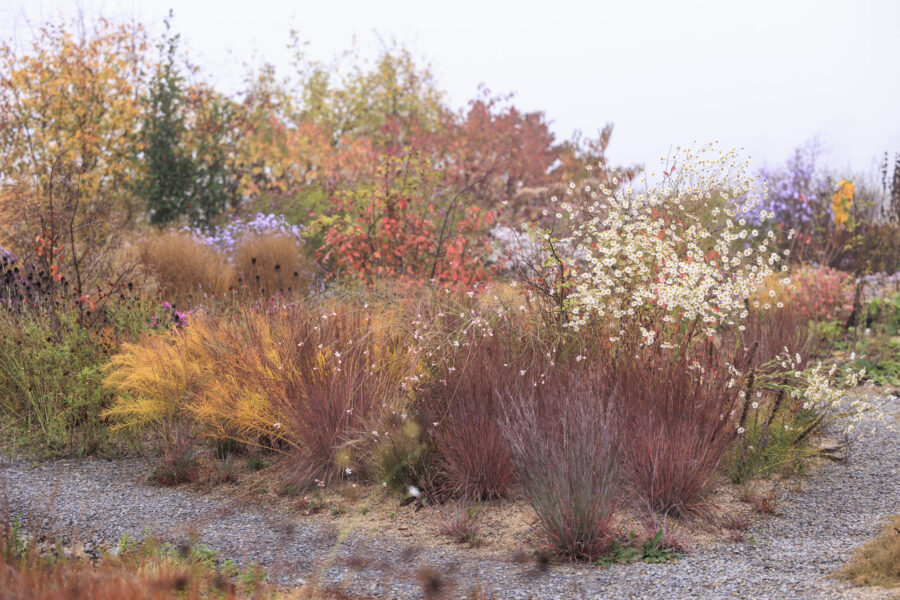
(154, 379)
(841, 202)
(74, 99)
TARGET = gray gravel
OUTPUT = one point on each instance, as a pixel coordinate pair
(791, 555)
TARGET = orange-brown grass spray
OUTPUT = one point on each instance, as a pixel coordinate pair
(189, 272)
(272, 264)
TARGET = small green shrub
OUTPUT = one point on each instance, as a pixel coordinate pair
(399, 454)
(51, 388)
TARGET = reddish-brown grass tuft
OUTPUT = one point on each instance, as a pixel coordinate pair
(681, 418)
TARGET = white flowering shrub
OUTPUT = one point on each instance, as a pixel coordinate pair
(680, 249)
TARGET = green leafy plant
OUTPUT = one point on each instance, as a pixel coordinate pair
(51, 388)
(257, 463)
(650, 551)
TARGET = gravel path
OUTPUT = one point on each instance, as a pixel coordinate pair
(790, 557)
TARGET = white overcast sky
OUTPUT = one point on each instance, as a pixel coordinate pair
(763, 75)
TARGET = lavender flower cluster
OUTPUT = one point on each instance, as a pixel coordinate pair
(798, 192)
(225, 238)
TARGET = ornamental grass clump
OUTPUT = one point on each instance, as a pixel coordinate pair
(188, 271)
(309, 380)
(478, 356)
(681, 417)
(877, 562)
(564, 435)
(272, 264)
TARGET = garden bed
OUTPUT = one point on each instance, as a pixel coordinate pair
(791, 553)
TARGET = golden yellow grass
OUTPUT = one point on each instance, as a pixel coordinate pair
(278, 377)
(877, 562)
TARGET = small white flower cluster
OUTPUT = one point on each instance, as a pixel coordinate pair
(826, 395)
(681, 245)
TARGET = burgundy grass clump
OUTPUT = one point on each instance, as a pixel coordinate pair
(767, 333)
(682, 415)
(340, 380)
(463, 525)
(177, 461)
(464, 403)
(564, 437)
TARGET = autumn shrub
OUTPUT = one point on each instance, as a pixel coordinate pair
(564, 437)
(99, 71)
(272, 264)
(189, 272)
(404, 226)
(821, 293)
(682, 412)
(661, 263)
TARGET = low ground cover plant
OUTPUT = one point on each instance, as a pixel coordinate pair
(652, 550)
